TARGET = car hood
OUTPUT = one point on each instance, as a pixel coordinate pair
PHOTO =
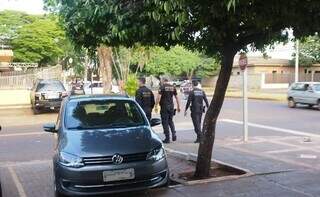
(93, 143)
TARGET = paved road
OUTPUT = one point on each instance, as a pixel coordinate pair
(26, 151)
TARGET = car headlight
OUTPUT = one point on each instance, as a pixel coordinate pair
(156, 154)
(70, 160)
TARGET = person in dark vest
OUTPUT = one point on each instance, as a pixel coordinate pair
(167, 109)
(145, 98)
(195, 99)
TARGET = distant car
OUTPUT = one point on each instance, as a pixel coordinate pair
(176, 83)
(47, 94)
(97, 88)
(77, 88)
(186, 88)
(307, 93)
(106, 145)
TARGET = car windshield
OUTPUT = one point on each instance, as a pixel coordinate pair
(50, 86)
(316, 87)
(102, 114)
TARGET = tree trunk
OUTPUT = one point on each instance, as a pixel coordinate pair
(210, 120)
(105, 60)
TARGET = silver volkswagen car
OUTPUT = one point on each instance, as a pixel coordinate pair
(106, 145)
(307, 93)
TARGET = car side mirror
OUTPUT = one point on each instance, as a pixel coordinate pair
(155, 122)
(50, 127)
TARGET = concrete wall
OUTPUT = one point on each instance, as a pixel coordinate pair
(14, 97)
(254, 81)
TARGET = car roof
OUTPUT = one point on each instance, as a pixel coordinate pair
(98, 97)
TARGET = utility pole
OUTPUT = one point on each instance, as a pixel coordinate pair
(296, 73)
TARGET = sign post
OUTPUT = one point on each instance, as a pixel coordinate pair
(243, 62)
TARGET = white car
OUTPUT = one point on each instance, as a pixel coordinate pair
(97, 88)
(307, 93)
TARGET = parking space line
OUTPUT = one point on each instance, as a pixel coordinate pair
(17, 182)
(293, 132)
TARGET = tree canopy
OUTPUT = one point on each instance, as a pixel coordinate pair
(179, 61)
(214, 27)
(40, 41)
(309, 51)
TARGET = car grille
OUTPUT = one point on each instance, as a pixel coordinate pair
(108, 159)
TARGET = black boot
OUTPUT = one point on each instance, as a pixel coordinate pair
(166, 141)
(174, 138)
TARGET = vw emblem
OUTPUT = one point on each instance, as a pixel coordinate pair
(117, 159)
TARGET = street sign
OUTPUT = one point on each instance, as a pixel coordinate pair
(243, 61)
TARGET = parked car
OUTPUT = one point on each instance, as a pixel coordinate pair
(47, 94)
(176, 83)
(97, 88)
(77, 88)
(106, 145)
(186, 88)
(307, 93)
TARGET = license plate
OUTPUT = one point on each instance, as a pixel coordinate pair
(118, 175)
(52, 95)
(52, 108)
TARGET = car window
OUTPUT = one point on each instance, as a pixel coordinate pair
(298, 87)
(50, 86)
(102, 114)
(316, 87)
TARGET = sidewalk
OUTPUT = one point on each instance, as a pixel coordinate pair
(285, 166)
(276, 95)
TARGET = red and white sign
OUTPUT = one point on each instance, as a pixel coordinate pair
(243, 61)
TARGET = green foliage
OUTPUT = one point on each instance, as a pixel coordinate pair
(309, 50)
(131, 85)
(11, 21)
(39, 41)
(178, 61)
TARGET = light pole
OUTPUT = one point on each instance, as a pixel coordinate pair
(296, 72)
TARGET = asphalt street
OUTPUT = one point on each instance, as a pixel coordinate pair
(26, 151)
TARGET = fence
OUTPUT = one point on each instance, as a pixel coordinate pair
(289, 78)
(20, 80)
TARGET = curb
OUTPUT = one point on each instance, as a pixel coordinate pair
(193, 157)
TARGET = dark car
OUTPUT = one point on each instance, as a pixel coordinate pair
(106, 145)
(47, 94)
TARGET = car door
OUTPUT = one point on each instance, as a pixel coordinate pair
(311, 95)
(298, 93)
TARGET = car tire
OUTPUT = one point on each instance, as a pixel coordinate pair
(36, 111)
(318, 104)
(291, 103)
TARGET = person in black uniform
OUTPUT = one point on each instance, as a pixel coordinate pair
(145, 98)
(195, 99)
(167, 111)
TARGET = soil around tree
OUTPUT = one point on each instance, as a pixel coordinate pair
(182, 171)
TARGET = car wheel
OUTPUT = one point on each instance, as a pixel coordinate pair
(36, 111)
(318, 104)
(56, 192)
(291, 103)
(310, 106)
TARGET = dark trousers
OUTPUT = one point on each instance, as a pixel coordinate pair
(167, 122)
(196, 119)
(148, 113)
